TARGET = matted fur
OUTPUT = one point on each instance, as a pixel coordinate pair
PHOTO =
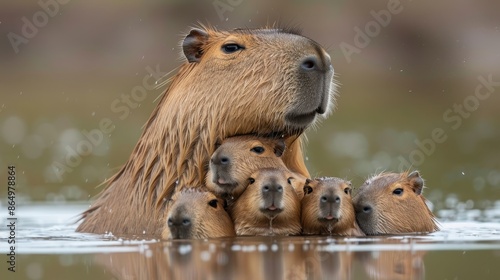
(243, 161)
(259, 90)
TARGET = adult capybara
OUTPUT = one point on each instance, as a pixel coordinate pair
(244, 81)
(268, 206)
(197, 214)
(238, 157)
(393, 203)
(327, 208)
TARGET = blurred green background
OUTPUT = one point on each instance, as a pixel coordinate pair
(69, 71)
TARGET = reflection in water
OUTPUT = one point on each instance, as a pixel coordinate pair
(261, 258)
(49, 248)
(393, 264)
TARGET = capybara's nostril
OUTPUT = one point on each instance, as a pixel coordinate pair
(367, 209)
(337, 199)
(280, 189)
(310, 63)
(324, 199)
(224, 160)
(186, 222)
(170, 222)
(265, 188)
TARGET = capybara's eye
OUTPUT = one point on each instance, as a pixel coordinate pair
(213, 203)
(289, 180)
(347, 190)
(398, 191)
(231, 48)
(258, 150)
(308, 190)
(251, 180)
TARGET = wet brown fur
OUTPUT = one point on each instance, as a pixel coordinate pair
(219, 96)
(246, 214)
(314, 222)
(207, 221)
(394, 214)
(244, 162)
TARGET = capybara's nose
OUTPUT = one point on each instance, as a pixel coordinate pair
(317, 62)
(272, 188)
(309, 63)
(330, 198)
(367, 209)
(179, 222)
(219, 159)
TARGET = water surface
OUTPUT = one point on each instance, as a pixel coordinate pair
(48, 248)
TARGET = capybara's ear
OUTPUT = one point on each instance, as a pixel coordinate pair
(193, 44)
(279, 148)
(416, 182)
(308, 180)
(307, 189)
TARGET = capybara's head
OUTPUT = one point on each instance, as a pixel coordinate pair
(393, 203)
(197, 214)
(327, 206)
(257, 80)
(237, 158)
(269, 205)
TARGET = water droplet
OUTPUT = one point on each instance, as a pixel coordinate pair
(463, 173)
(93, 114)
(401, 70)
(274, 247)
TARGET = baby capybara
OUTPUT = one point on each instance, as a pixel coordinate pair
(238, 157)
(197, 214)
(327, 208)
(392, 203)
(268, 206)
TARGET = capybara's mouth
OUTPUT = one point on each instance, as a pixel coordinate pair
(301, 120)
(329, 219)
(271, 211)
(224, 182)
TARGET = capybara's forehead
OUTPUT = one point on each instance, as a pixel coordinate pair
(385, 180)
(193, 194)
(268, 173)
(332, 182)
(257, 34)
(250, 141)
